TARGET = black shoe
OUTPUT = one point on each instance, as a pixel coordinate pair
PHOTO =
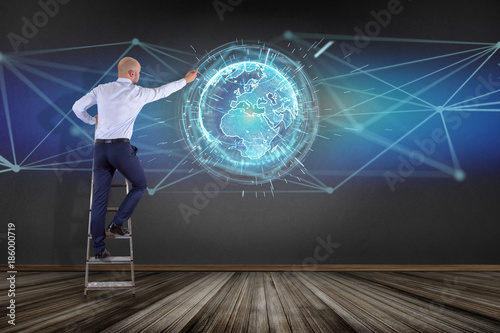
(117, 230)
(102, 255)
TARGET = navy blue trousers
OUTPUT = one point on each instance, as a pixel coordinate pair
(109, 157)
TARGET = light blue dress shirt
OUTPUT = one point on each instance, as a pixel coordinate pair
(118, 104)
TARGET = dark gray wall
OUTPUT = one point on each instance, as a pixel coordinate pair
(433, 223)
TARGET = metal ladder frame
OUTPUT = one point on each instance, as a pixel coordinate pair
(109, 260)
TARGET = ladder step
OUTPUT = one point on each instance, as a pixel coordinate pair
(110, 285)
(109, 209)
(113, 236)
(110, 260)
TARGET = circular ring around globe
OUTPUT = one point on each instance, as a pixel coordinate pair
(252, 116)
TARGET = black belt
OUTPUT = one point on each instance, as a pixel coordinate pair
(111, 140)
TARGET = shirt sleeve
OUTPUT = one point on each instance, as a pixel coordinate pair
(80, 107)
(154, 94)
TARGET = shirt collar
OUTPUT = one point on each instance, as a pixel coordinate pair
(124, 80)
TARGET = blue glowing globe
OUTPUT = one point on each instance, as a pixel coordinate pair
(252, 116)
(257, 102)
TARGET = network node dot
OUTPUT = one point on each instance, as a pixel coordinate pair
(135, 41)
(288, 35)
(329, 190)
(498, 45)
(151, 191)
(16, 168)
(459, 175)
(440, 109)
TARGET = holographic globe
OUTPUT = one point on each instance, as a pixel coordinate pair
(251, 116)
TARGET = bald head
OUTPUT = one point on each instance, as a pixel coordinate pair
(129, 68)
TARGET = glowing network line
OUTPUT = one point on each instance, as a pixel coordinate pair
(495, 49)
(458, 173)
(344, 100)
(418, 61)
(8, 121)
(290, 34)
(19, 61)
(471, 58)
(428, 87)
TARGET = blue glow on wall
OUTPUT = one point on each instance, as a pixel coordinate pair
(336, 116)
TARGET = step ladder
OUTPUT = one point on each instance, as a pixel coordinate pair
(111, 260)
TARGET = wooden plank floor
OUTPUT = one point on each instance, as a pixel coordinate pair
(258, 302)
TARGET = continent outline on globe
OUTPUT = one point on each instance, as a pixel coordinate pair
(259, 113)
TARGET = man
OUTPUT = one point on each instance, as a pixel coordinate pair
(118, 104)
